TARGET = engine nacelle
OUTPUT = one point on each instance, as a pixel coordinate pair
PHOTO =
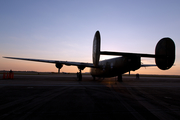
(59, 66)
(96, 48)
(165, 53)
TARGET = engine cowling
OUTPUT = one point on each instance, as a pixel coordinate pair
(59, 66)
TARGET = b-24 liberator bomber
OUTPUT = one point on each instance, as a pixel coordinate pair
(164, 59)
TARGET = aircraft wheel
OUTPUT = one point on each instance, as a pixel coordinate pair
(120, 78)
(94, 78)
(80, 77)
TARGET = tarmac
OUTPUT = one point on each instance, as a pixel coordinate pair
(63, 97)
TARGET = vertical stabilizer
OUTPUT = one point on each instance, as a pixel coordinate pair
(165, 53)
(96, 48)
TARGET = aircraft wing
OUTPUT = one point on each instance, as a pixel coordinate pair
(68, 63)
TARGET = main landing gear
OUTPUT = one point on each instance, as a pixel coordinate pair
(120, 78)
(79, 75)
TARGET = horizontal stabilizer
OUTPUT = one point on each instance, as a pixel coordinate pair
(126, 54)
(147, 65)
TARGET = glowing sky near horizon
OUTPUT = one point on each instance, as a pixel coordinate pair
(64, 30)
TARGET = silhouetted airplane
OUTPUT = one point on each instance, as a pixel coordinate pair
(164, 58)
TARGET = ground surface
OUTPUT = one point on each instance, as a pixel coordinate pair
(63, 97)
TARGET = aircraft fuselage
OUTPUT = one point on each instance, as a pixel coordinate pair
(116, 66)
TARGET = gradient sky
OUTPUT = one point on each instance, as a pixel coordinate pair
(64, 30)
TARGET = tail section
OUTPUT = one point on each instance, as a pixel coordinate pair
(164, 52)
